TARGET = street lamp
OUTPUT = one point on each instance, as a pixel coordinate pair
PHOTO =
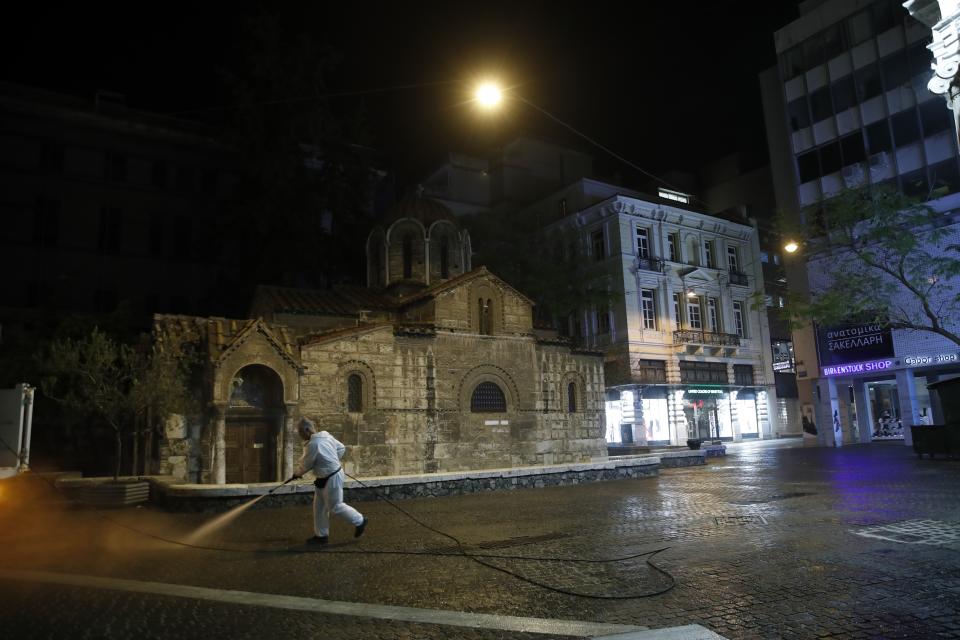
(488, 95)
(791, 246)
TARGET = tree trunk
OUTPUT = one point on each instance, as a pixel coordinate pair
(134, 453)
(116, 472)
(148, 444)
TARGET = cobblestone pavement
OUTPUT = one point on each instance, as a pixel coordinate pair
(773, 541)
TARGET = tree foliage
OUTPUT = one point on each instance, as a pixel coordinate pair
(878, 256)
(114, 383)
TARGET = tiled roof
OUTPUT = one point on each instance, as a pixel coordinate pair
(339, 301)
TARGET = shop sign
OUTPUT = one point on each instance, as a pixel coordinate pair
(853, 344)
(937, 358)
(706, 391)
(858, 367)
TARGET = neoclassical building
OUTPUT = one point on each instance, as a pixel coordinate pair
(434, 366)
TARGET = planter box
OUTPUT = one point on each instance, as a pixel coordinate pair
(111, 494)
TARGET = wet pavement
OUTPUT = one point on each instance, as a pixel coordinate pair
(774, 541)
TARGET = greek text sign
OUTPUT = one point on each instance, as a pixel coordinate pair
(858, 367)
(853, 344)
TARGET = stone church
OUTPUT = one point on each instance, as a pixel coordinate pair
(433, 366)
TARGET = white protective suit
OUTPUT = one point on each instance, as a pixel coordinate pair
(322, 456)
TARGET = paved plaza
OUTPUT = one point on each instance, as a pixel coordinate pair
(776, 540)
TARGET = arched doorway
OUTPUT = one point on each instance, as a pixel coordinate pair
(253, 425)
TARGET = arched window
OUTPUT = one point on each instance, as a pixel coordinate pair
(354, 393)
(444, 258)
(572, 397)
(488, 398)
(485, 314)
(377, 265)
(407, 256)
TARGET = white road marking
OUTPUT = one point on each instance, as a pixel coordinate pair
(296, 603)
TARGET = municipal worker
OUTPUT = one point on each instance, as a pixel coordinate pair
(322, 456)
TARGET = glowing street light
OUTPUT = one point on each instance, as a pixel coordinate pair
(791, 246)
(488, 95)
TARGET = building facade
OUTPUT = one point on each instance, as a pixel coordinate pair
(434, 367)
(104, 204)
(684, 333)
(848, 106)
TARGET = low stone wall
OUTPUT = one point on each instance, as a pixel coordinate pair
(683, 458)
(211, 498)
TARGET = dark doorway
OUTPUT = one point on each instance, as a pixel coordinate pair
(250, 451)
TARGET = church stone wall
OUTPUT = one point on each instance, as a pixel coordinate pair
(417, 418)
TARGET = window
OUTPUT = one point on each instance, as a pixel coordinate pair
(743, 374)
(896, 71)
(878, 137)
(944, 176)
(935, 117)
(596, 242)
(676, 196)
(444, 257)
(46, 223)
(851, 148)
(648, 309)
(407, 256)
(713, 316)
(715, 372)
(676, 311)
(883, 17)
(603, 320)
(830, 158)
(799, 116)
(693, 313)
(868, 82)
(791, 62)
(858, 28)
(844, 93)
(652, 371)
(738, 319)
(488, 398)
(485, 311)
(808, 166)
(733, 259)
(832, 41)
(110, 229)
(675, 247)
(813, 52)
(643, 241)
(905, 127)
(820, 104)
(708, 254)
(354, 393)
(572, 397)
(914, 184)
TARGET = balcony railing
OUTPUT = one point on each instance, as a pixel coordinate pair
(692, 336)
(738, 278)
(650, 264)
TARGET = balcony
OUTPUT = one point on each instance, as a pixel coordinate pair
(696, 341)
(739, 278)
(650, 264)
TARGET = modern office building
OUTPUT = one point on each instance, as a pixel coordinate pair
(847, 106)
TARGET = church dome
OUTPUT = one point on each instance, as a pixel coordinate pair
(425, 210)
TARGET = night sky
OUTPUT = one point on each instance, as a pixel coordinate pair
(668, 87)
